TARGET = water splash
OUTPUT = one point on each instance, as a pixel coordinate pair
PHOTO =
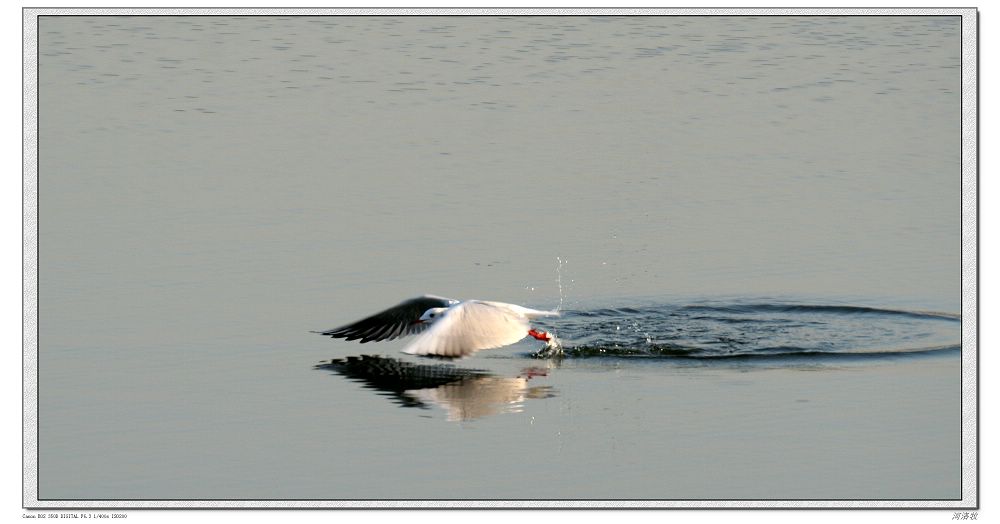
(559, 260)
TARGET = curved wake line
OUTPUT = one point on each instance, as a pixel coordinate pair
(679, 352)
(755, 328)
(809, 308)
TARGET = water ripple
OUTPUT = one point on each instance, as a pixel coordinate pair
(758, 329)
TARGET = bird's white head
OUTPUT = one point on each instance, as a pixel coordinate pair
(433, 314)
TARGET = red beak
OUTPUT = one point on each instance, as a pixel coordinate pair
(540, 335)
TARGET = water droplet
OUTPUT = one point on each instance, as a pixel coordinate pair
(559, 282)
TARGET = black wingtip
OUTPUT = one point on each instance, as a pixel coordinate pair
(335, 333)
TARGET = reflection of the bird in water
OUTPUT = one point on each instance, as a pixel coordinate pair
(464, 393)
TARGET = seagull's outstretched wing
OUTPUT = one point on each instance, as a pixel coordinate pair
(469, 327)
(397, 321)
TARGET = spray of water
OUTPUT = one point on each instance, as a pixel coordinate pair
(559, 282)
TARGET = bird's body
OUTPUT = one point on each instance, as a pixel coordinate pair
(446, 327)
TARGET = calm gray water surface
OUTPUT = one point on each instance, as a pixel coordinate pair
(211, 189)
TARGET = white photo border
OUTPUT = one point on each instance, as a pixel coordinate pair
(970, 273)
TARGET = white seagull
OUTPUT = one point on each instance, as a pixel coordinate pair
(448, 328)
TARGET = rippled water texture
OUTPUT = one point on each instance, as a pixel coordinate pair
(754, 329)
